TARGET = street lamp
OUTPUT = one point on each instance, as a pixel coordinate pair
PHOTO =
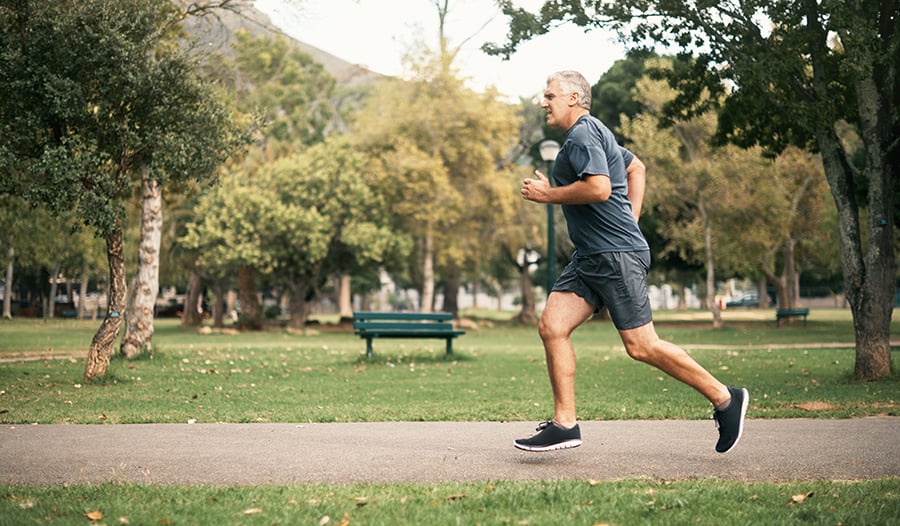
(549, 149)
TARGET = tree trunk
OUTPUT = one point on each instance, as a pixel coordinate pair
(51, 303)
(870, 277)
(190, 317)
(763, 293)
(345, 298)
(790, 288)
(218, 306)
(101, 346)
(299, 306)
(250, 318)
(7, 292)
(869, 281)
(145, 286)
(528, 314)
(427, 301)
(451, 291)
(82, 289)
(710, 268)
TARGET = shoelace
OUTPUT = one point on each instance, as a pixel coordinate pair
(543, 425)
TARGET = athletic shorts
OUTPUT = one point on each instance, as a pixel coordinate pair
(615, 280)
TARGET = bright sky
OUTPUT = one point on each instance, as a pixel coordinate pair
(377, 33)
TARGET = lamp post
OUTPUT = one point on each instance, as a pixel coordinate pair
(549, 149)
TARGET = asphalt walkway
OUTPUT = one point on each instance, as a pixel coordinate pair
(258, 454)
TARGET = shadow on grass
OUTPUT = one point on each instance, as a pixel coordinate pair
(412, 357)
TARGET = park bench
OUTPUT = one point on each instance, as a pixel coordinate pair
(791, 313)
(371, 325)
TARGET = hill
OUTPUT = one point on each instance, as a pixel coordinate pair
(216, 32)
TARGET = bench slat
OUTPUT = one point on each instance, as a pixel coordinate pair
(412, 326)
(411, 316)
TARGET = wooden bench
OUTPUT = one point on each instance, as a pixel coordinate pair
(371, 325)
(791, 313)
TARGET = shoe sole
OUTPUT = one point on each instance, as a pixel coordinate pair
(568, 444)
(744, 403)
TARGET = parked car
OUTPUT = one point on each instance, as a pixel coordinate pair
(747, 300)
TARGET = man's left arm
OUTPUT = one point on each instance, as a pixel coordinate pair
(637, 182)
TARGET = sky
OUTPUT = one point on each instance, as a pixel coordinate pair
(377, 34)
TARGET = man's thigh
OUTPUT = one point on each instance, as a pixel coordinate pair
(564, 312)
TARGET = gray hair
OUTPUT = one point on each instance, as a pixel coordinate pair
(573, 82)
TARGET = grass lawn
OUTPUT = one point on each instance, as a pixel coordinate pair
(496, 373)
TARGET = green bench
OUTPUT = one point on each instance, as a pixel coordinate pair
(781, 314)
(372, 325)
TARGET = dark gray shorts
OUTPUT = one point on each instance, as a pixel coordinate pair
(616, 280)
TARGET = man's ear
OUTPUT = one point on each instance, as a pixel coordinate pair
(573, 99)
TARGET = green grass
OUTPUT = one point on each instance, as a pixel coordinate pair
(628, 502)
(497, 373)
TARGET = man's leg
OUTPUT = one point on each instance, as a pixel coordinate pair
(643, 344)
(564, 312)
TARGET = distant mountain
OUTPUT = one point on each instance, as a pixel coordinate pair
(216, 31)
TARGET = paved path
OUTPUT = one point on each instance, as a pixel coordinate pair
(253, 454)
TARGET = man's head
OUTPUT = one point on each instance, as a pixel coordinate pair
(567, 97)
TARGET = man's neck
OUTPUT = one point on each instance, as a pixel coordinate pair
(574, 116)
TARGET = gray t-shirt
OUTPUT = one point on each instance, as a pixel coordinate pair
(591, 149)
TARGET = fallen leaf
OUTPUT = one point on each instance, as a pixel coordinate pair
(252, 511)
(593, 482)
(458, 496)
(345, 521)
(94, 516)
(324, 520)
(800, 497)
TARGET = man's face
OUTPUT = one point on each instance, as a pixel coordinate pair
(556, 104)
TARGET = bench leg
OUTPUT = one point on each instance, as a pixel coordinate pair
(368, 347)
(449, 346)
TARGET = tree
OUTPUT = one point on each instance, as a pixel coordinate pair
(89, 93)
(798, 72)
(439, 148)
(292, 94)
(697, 188)
(329, 184)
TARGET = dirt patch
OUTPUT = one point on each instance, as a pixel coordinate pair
(816, 406)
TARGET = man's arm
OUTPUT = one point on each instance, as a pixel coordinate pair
(637, 182)
(591, 189)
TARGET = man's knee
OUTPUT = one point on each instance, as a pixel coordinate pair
(640, 351)
(548, 330)
(641, 343)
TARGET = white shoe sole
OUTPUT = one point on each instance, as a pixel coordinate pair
(568, 444)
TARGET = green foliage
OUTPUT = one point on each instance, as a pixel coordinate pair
(438, 151)
(291, 91)
(88, 92)
(614, 94)
(297, 220)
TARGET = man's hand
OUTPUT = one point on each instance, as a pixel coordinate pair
(536, 189)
